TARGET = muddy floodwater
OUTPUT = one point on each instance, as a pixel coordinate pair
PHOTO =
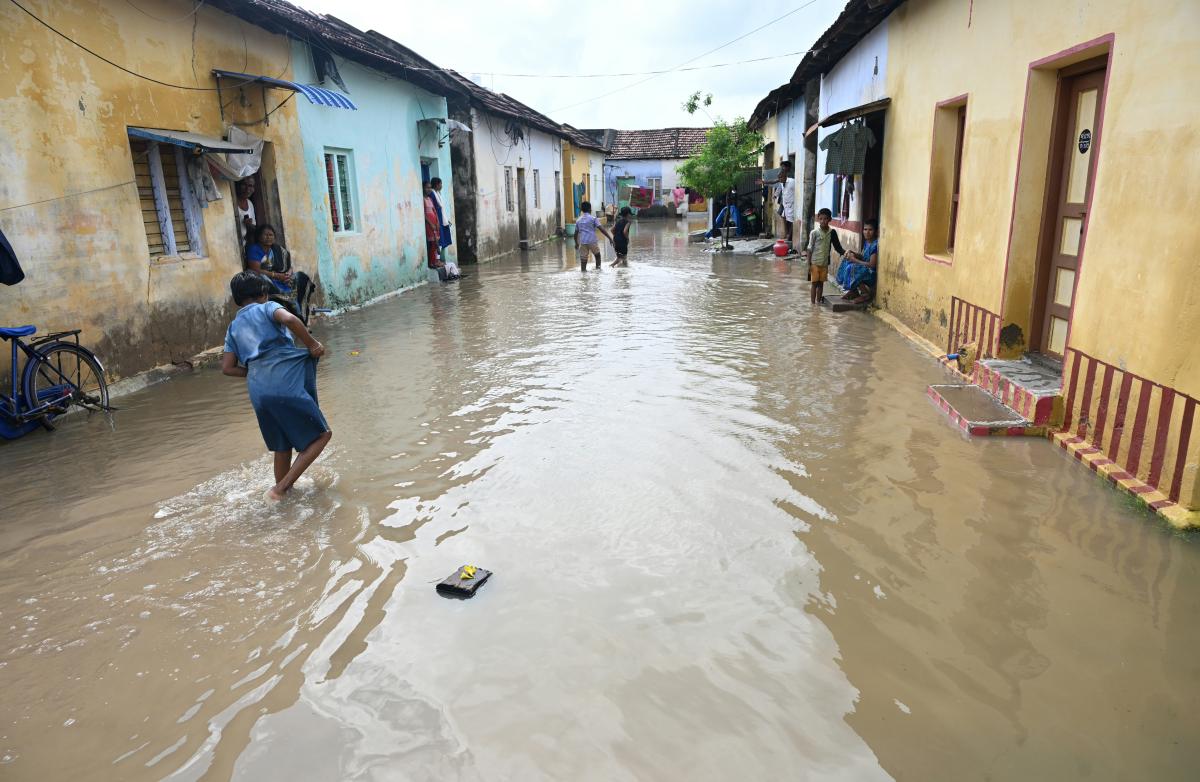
(732, 540)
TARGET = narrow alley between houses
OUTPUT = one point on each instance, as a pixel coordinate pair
(731, 539)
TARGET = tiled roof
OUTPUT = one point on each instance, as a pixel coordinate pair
(655, 144)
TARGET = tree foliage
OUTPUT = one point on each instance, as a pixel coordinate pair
(730, 149)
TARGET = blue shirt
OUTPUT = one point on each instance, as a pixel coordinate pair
(254, 332)
(586, 226)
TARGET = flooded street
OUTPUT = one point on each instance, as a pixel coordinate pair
(731, 539)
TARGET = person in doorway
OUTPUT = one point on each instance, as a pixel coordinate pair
(857, 272)
(261, 346)
(433, 235)
(586, 243)
(247, 220)
(271, 260)
(785, 197)
(620, 237)
(610, 213)
(821, 242)
(445, 240)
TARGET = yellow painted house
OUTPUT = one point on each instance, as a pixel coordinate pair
(1036, 182)
(92, 202)
(582, 166)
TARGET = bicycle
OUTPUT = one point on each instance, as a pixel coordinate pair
(58, 375)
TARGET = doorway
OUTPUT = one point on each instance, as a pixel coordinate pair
(1068, 192)
(872, 180)
(558, 214)
(522, 219)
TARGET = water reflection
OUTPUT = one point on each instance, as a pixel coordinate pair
(731, 540)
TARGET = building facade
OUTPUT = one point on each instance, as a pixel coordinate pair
(105, 222)
(650, 159)
(1018, 169)
(507, 164)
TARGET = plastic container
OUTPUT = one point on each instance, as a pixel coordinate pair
(570, 229)
(780, 247)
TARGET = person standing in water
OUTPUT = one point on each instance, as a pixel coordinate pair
(281, 377)
(620, 237)
(585, 236)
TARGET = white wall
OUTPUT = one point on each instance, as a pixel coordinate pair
(860, 77)
(495, 150)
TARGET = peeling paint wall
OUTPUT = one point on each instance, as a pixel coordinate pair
(497, 145)
(386, 138)
(68, 200)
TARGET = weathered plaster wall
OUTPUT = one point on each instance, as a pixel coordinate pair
(578, 161)
(1129, 311)
(494, 150)
(67, 199)
(786, 131)
(387, 251)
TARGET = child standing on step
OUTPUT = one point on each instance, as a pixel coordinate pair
(280, 376)
(821, 241)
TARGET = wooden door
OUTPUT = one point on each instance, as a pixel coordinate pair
(1082, 95)
(522, 220)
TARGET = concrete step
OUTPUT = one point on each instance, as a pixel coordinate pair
(1032, 389)
(978, 413)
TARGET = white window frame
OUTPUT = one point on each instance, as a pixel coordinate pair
(509, 202)
(336, 199)
(537, 189)
(655, 183)
(192, 219)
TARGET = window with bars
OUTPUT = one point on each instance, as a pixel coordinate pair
(170, 213)
(509, 202)
(339, 176)
(537, 189)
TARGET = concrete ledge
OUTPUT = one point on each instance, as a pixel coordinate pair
(1173, 513)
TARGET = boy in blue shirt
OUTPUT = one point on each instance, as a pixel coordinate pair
(586, 243)
(281, 377)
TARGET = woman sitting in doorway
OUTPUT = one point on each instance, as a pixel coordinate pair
(857, 272)
(266, 258)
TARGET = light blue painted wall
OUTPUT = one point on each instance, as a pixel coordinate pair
(641, 170)
(387, 252)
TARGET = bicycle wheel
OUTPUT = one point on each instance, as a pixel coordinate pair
(67, 375)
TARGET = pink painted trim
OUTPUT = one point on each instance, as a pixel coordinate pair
(1097, 137)
(958, 100)
(1076, 49)
(1110, 39)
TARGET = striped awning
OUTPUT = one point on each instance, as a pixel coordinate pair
(316, 95)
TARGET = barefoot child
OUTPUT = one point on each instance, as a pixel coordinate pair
(280, 376)
(620, 237)
(818, 254)
(585, 236)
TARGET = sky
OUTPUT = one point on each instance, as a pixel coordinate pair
(556, 37)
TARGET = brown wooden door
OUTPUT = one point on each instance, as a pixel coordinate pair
(1082, 95)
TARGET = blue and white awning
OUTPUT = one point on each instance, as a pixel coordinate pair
(316, 95)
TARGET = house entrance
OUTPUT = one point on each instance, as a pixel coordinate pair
(522, 219)
(1068, 195)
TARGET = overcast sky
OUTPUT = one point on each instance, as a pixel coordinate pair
(555, 36)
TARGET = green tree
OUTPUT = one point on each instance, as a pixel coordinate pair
(729, 150)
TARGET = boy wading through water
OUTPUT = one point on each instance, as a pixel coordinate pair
(585, 236)
(620, 237)
(818, 253)
(280, 376)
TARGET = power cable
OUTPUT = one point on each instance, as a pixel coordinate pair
(166, 21)
(686, 62)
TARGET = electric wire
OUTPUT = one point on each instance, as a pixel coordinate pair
(800, 7)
